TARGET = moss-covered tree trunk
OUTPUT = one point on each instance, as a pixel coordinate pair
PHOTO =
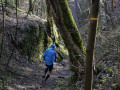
(90, 45)
(70, 34)
(49, 16)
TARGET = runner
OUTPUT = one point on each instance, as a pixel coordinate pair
(49, 56)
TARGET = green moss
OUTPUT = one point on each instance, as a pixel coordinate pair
(32, 42)
(4, 84)
(62, 52)
(42, 45)
(76, 61)
(21, 10)
(72, 80)
(49, 41)
(108, 70)
(11, 3)
(103, 80)
(63, 88)
(45, 40)
(70, 24)
(61, 82)
(61, 85)
(72, 68)
(75, 57)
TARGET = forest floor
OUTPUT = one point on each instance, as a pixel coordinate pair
(24, 75)
(32, 79)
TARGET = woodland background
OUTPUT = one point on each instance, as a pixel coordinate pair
(28, 27)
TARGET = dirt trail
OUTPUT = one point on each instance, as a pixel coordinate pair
(34, 72)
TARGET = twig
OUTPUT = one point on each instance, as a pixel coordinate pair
(100, 60)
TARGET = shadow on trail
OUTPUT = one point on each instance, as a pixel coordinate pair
(34, 72)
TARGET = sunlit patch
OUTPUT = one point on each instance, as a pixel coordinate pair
(20, 86)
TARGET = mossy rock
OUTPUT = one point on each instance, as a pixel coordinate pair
(31, 40)
(102, 80)
(59, 57)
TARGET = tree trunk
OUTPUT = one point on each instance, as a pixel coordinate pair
(118, 63)
(90, 45)
(16, 19)
(49, 16)
(30, 11)
(105, 5)
(70, 34)
(5, 3)
(112, 2)
(3, 27)
(42, 8)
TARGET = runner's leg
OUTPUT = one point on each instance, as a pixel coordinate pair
(49, 72)
(46, 70)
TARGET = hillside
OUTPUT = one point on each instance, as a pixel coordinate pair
(22, 46)
(22, 71)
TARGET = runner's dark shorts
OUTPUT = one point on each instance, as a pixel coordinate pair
(50, 67)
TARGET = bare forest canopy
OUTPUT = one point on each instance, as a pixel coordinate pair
(86, 34)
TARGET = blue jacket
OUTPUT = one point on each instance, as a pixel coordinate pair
(49, 56)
